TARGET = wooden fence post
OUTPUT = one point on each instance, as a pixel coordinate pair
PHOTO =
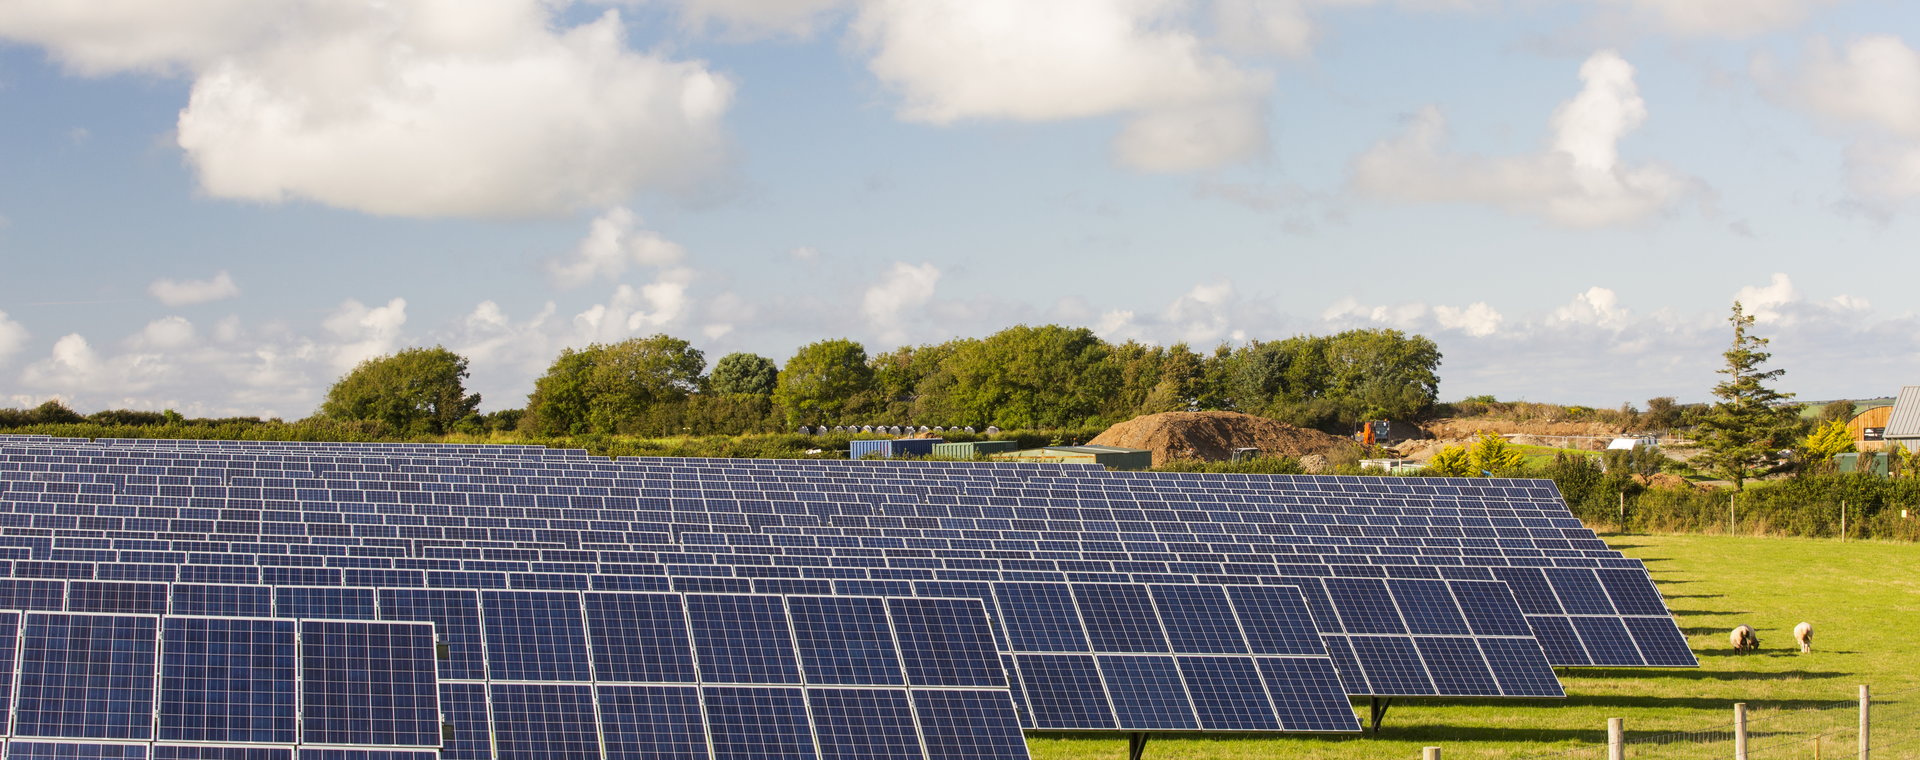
(1617, 739)
(1865, 730)
(1739, 731)
(1430, 753)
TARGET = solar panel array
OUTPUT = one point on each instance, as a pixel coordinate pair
(1116, 601)
(104, 685)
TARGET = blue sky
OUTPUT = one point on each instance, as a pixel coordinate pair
(219, 206)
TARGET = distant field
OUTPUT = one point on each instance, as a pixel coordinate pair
(1863, 599)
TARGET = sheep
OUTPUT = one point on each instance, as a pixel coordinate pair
(1803, 633)
(1744, 639)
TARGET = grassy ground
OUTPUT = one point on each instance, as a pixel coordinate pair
(1863, 599)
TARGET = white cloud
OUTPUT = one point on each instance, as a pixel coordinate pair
(1765, 302)
(1721, 18)
(1870, 93)
(1272, 27)
(1202, 316)
(1597, 306)
(13, 337)
(956, 60)
(805, 254)
(902, 288)
(611, 245)
(361, 332)
(1477, 319)
(189, 292)
(410, 108)
(75, 367)
(1578, 181)
(164, 333)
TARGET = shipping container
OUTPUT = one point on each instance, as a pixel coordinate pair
(891, 448)
(973, 449)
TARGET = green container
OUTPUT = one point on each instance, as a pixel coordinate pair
(1850, 462)
(972, 449)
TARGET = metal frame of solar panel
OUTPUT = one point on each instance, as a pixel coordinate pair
(1032, 471)
(1629, 649)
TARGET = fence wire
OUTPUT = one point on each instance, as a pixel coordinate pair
(1826, 732)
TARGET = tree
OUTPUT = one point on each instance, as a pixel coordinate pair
(1741, 432)
(748, 374)
(1492, 455)
(416, 391)
(821, 381)
(558, 404)
(1841, 411)
(1028, 377)
(1662, 414)
(633, 376)
(1451, 462)
(1821, 445)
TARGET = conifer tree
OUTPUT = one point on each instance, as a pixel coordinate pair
(1742, 430)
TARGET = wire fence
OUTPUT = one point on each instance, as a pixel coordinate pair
(1829, 731)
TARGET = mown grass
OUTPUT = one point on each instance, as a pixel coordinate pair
(1862, 597)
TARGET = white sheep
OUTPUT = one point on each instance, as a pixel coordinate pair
(1803, 633)
(1744, 639)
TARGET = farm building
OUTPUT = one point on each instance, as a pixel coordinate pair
(1868, 426)
(972, 449)
(1903, 422)
(1110, 457)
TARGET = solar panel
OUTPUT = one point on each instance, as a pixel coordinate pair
(847, 640)
(534, 636)
(639, 637)
(455, 615)
(368, 683)
(544, 722)
(1148, 693)
(742, 639)
(468, 732)
(857, 724)
(945, 642)
(749, 723)
(86, 676)
(227, 680)
(649, 722)
(30, 750)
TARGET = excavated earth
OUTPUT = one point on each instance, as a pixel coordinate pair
(1214, 436)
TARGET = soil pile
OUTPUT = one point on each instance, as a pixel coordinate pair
(1214, 436)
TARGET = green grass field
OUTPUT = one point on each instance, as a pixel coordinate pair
(1862, 598)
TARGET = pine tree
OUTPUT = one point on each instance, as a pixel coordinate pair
(1741, 432)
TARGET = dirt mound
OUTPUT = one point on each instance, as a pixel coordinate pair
(1214, 436)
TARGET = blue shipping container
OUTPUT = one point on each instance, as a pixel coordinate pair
(891, 448)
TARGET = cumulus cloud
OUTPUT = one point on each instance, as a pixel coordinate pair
(361, 332)
(1578, 180)
(409, 108)
(189, 292)
(1597, 306)
(1869, 92)
(904, 287)
(1766, 302)
(1720, 18)
(164, 333)
(75, 367)
(1476, 319)
(13, 337)
(957, 60)
(611, 245)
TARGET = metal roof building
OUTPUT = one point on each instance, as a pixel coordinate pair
(1903, 426)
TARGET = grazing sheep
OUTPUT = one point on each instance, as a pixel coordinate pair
(1803, 633)
(1744, 639)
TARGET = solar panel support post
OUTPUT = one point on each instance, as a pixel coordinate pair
(1136, 745)
(1429, 753)
(1376, 710)
(1616, 739)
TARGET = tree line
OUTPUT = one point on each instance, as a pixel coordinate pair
(1023, 377)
